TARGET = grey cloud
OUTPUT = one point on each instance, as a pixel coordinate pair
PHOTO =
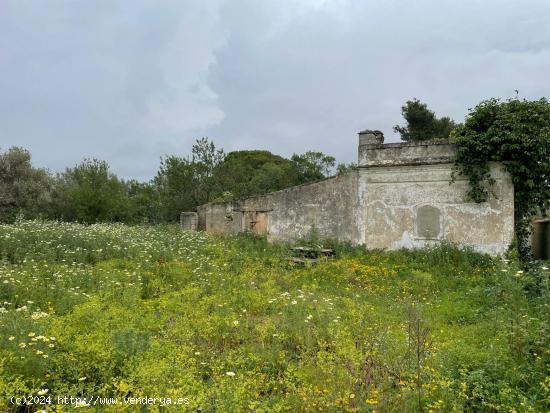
(327, 75)
(131, 81)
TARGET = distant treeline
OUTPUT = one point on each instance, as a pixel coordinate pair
(89, 192)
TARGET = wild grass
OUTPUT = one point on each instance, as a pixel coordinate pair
(227, 322)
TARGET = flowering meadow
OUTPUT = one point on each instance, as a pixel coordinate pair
(105, 313)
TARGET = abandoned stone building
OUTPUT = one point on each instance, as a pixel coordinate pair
(401, 196)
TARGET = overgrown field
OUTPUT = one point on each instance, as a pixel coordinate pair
(111, 311)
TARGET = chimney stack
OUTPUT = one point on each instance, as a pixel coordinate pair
(368, 140)
(371, 137)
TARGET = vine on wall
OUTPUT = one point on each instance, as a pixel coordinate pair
(517, 134)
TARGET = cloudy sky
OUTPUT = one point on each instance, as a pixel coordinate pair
(130, 80)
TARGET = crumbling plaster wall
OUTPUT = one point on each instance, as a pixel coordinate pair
(396, 201)
(219, 218)
(410, 202)
(188, 221)
(400, 197)
(331, 206)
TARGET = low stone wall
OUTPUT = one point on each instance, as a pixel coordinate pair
(329, 208)
(188, 221)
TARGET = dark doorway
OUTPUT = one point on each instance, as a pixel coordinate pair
(540, 239)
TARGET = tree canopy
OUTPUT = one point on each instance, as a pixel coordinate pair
(312, 166)
(23, 188)
(246, 173)
(89, 192)
(422, 124)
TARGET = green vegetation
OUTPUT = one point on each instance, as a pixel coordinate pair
(109, 310)
(247, 173)
(312, 166)
(422, 124)
(184, 183)
(22, 187)
(517, 134)
(89, 192)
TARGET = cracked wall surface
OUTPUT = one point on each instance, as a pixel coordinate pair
(400, 197)
(395, 196)
(329, 208)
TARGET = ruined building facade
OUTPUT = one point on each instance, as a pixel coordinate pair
(400, 197)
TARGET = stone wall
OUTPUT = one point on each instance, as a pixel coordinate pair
(329, 207)
(188, 221)
(415, 206)
(410, 203)
(400, 197)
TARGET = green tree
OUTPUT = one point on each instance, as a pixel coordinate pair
(145, 201)
(343, 168)
(176, 185)
(183, 183)
(24, 189)
(247, 173)
(205, 159)
(312, 166)
(422, 124)
(90, 193)
(517, 134)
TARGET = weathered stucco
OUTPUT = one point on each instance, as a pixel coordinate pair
(400, 197)
(188, 221)
(330, 206)
(396, 199)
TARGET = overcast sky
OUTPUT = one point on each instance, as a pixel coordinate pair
(130, 81)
